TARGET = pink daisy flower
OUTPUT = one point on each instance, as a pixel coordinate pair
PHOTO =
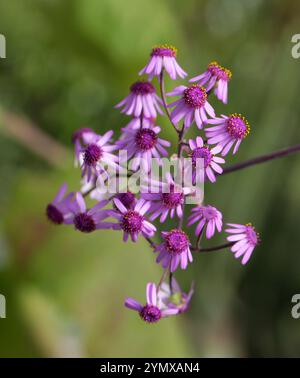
(207, 216)
(131, 221)
(174, 250)
(215, 75)
(151, 312)
(171, 296)
(211, 162)
(97, 155)
(143, 144)
(192, 105)
(230, 130)
(87, 220)
(142, 100)
(245, 238)
(58, 210)
(167, 199)
(163, 57)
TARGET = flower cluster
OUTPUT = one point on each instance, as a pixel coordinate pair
(134, 213)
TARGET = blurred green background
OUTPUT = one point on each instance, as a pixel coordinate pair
(68, 63)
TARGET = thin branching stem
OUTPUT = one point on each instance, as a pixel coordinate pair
(163, 97)
(214, 248)
(262, 159)
(163, 277)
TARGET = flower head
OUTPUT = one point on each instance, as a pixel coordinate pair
(171, 296)
(215, 75)
(87, 220)
(142, 100)
(82, 138)
(174, 250)
(245, 239)
(97, 155)
(168, 198)
(58, 210)
(207, 216)
(143, 144)
(151, 312)
(210, 161)
(163, 57)
(192, 105)
(132, 221)
(229, 130)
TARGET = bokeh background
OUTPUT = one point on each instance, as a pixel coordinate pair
(68, 63)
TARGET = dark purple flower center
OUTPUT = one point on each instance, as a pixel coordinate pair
(209, 212)
(54, 214)
(201, 153)
(92, 154)
(252, 235)
(84, 223)
(195, 96)
(237, 126)
(132, 222)
(142, 88)
(222, 73)
(164, 50)
(177, 242)
(172, 200)
(150, 313)
(127, 199)
(79, 133)
(145, 139)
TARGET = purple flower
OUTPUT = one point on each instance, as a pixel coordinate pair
(215, 75)
(150, 312)
(87, 220)
(174, 250)
(173, 297)
(168, 198)
(143, 144)
(97, 154)
(192, 105)
(211, 162)
(82, 138)
(163, 57)
(131, 221)
(58, 210)
(207, 216)
(229, 131)
(245, 238)
(142, 100)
